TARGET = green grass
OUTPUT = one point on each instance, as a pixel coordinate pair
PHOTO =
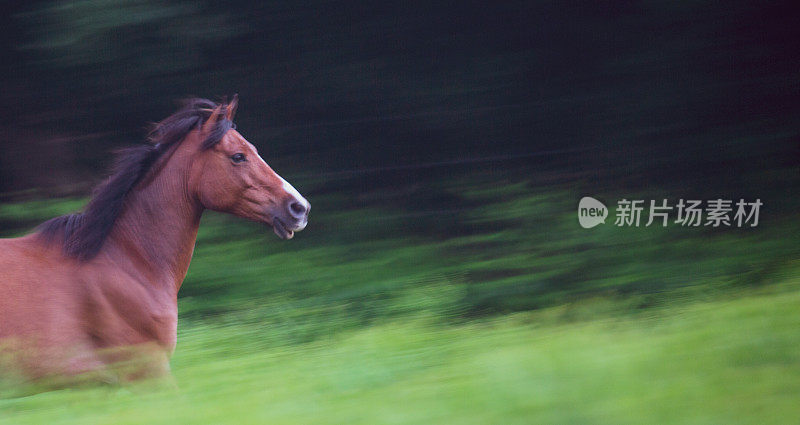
(503, 311)
(730, 361)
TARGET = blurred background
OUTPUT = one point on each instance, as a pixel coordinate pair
(443, 276)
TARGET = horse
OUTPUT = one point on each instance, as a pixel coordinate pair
(95, 293)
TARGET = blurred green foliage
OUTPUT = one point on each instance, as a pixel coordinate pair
(520, 248)
(108, 32)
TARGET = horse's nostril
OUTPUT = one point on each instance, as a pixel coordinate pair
(297, 208)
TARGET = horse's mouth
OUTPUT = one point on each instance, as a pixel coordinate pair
(281, 230)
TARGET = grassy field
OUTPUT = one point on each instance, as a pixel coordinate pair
(723, 362)
(505, 311)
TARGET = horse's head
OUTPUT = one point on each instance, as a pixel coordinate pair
(230, 176)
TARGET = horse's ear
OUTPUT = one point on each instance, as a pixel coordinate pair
(212, 120)
(232, 107)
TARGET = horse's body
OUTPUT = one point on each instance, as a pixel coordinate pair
(95, 294)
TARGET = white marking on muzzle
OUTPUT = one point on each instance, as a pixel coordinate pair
(298, 197)
(292, 191)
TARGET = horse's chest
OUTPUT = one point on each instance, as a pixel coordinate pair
(131, 315)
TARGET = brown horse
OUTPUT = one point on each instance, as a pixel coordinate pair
(88, 292)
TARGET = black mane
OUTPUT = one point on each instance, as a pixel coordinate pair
(83, 234)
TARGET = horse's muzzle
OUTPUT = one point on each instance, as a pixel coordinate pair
(293, 219)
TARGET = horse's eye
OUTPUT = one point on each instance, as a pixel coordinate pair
(238, 157)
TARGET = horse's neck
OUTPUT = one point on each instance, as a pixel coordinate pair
(156, 232)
